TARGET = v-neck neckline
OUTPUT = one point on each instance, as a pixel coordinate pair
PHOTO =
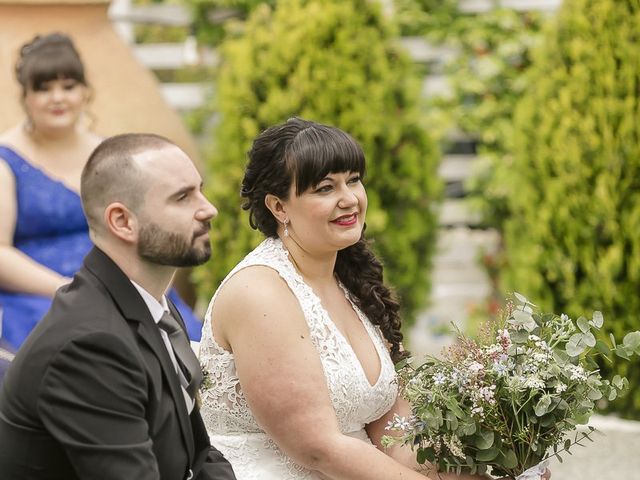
(41, 171)
(365, 323)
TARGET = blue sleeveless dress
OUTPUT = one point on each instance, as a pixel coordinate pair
(51, 229)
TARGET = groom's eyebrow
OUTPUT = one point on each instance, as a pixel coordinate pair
(184, 190)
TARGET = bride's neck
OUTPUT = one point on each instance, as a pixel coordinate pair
(313, 267)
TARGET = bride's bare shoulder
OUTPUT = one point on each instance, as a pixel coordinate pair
(255, 286)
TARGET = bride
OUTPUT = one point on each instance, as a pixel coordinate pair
(300, 338)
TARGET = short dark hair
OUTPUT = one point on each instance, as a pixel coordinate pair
(298, 151)
(110, 175)
(48, 57)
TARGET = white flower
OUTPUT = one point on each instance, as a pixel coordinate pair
(577, 372)
(500, 369)
(560, 387)
(399, 423)
(455, 446)
(477, 411)
(534, 382)
(439, 378)
(476, 367)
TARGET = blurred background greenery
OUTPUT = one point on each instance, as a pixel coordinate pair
(546, 101)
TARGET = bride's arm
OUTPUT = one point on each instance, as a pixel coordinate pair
(257, 316)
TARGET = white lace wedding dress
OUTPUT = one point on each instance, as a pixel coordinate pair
(232, 427)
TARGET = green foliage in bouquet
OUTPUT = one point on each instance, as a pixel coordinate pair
(335, 62)
(509, 400)
(574, 188)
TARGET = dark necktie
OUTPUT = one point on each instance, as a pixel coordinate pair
(187, 360)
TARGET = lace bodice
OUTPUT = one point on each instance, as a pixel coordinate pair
(355, 400)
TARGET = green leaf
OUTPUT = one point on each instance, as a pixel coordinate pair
(542, 406)
(598, 319)
(594, 394)
(589, 339)
(452, 405)
(583, 324)
(484, 439)
(521, 298)
(631, 342)
(622, 352)
(421, 457)
(401, 364)
(509, 459)
(547, 420)
(618, 382)
(519, 336)
(487, 455)
(603, 348)
(466, 428)
(575, 346)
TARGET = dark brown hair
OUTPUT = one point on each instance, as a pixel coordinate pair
(303, 152)
(48, 57)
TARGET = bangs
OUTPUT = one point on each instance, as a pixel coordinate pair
(319, 150)
(53, 64)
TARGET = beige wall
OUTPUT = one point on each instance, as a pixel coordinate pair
(127, 95)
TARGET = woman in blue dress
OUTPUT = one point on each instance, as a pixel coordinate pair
(43, 232)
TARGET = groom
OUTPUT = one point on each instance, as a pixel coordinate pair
(105, 386)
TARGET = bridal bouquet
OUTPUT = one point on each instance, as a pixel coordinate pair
(509, 400)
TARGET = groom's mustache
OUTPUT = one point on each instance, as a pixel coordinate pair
(206, 226)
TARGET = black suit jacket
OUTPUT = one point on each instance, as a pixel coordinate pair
(93, 394)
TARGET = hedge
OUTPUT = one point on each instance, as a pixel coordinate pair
(573, 238)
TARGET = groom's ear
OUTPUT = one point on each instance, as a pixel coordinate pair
(120, 222)
(276, 207)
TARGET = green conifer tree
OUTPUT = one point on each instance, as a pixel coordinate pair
(573, 240)
(336, 62)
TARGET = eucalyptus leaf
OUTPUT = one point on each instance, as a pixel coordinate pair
(521, 298)
(487, 455)
(589, 339)
(583, 324)
(542, 406)
(618, 382)
(452, 405)
(631, 341)
(598, 319)
(603, 348)
(509, 459)
(594, 394)
(520, 336)
(575, 346)
(484, 439)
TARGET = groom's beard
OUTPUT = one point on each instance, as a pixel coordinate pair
(170, 248)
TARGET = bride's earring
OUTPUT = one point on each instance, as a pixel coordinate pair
(286, 230)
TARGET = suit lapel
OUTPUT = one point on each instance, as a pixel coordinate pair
(135, 311)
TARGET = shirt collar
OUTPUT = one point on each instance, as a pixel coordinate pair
(156, 308)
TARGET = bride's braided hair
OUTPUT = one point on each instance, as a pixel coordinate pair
(305, 152)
